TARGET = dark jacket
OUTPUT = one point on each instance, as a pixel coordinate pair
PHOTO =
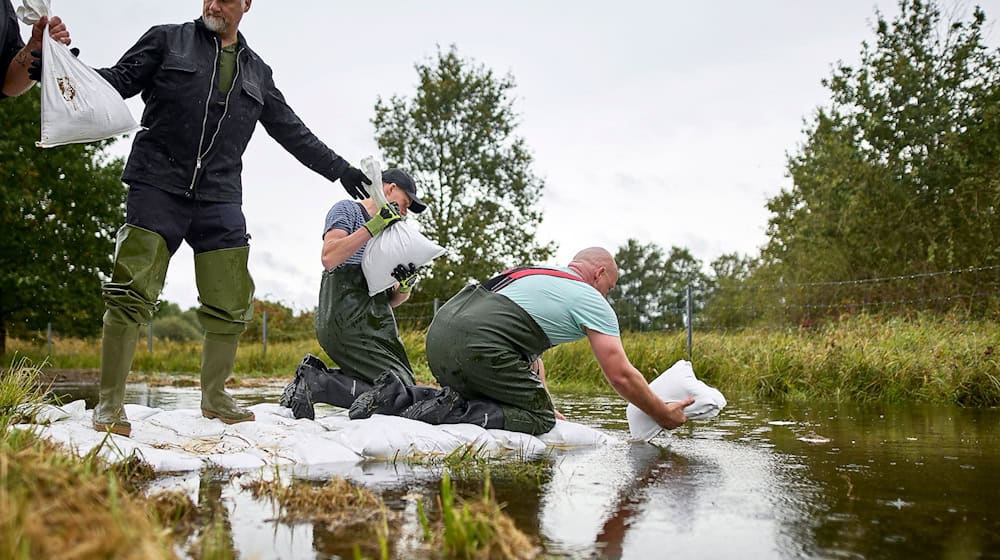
(194, 136)
(10, 40)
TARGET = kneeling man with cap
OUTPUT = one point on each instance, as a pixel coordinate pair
(357, 330)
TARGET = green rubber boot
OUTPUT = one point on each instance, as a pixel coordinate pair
(216, 366)
(225, 291)
(117, 350)
(141, 260)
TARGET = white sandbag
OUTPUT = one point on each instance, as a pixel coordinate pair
(188, 423)
(475, 437)
(676, 384)
(243, 460)
(522, 445)
(570, 434)
(385, 437)
(321, 449)
(181, 440)
(140, 412)
(399, 244)
(48, 413)
(78, 105)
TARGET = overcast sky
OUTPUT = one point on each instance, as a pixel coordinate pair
(668, 122)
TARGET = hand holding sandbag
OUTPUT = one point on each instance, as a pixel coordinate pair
(675, 415)
(35, 70)
(406, 275)
(387, 215)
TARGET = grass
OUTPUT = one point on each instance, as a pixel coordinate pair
(185, 357)
(55, 504)
(463, 529)
(926, 358)
(338, 503)
(472, 462)
(20, 390)
(474, 528)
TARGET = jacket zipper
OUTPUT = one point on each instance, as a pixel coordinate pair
(225, 109)
(204, 121)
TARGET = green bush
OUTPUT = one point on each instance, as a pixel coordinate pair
(176, 328)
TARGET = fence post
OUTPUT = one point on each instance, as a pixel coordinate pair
(263, 336)
(690, 318)
(149, 343)
(435, 306)
(48, 338)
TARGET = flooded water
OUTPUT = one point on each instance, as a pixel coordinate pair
(760, 481)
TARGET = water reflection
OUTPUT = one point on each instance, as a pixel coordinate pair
(762, 481)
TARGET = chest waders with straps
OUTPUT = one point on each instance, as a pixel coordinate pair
(482, 345)
(357, 330)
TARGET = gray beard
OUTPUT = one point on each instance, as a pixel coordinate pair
(215, 24)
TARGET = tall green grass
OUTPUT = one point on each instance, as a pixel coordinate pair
(54, 504)
(927, 358)
(477, 528)
(278, 361)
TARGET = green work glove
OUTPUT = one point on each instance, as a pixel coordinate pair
(406, 276)
(387, 215)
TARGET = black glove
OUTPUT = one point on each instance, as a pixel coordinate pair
(352, 179)
(35, 70)
(406, 275)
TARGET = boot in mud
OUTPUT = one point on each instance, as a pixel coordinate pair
(389, 396)
(448, 407)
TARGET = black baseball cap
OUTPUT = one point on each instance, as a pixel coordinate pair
(403, 180)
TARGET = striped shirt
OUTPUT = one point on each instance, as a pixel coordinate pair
(347, 216)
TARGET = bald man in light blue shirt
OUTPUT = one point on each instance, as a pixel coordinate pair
(484, 347)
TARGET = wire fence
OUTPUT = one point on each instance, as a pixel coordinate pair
(722, 306)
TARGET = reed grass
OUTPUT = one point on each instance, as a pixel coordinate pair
(56, 505)
(475, 462)
(476, 528)
(21, 391)
(339, 503)
(925, 358)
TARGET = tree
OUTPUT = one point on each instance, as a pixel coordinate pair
(456, 136)
(172, 323)
(898, 174)
(638, 297)
(60, 208)
(681, 270)
(731, 301)
(651, 292)
(283, 324)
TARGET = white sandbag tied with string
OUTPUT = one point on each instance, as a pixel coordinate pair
(399, 244)
(78, 105)
(676, 384)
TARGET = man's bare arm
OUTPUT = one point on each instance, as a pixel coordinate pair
(629, 382)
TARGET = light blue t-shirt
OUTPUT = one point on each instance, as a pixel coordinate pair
(563, 307)
(348, 216)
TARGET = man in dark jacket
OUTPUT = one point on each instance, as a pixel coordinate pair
(205, 91)
(15, 56)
